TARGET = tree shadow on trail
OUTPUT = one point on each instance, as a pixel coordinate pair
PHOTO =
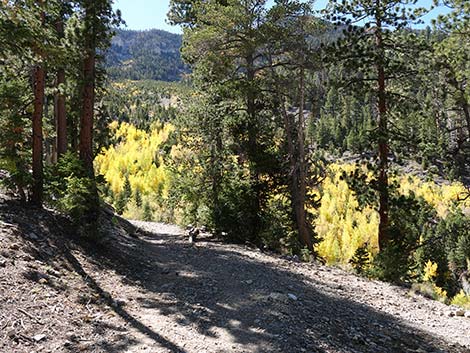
(218, 290)
(49, 237)
(126, 316)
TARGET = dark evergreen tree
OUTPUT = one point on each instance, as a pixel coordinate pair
(371, 50)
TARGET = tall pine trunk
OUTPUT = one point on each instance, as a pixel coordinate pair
(383, 148)
(59, 106)
(216, 173)
(305, 232)
(38, 174)
(87, 113)
(39, 82)
(297, 161)
(87, 117)
(256, 202)
(86, 134)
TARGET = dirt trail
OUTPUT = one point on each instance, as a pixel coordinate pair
(214, 297)
(159, 293)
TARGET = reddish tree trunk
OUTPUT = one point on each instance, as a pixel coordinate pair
(60, 112)
(86, 118)
(60, 116)
(39, 82)
(39, 85)
(305, 232)
(383, 236)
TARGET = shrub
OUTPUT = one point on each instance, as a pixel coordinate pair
(461, 300)
(276, 232)
(75, 200)
(456, 231)
(429, 290)
(69, 189)
(361, 260)
(120, 203)
(138, 197)
(448, 246)
(430, 271)
(147, 214)
(15, 156)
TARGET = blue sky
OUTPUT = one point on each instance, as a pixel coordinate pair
(147, 14)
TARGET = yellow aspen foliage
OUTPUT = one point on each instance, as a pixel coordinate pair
(137, 157)
(440, 293)
(430, 271)
(343, 228)
(462, 300)
(440, 196)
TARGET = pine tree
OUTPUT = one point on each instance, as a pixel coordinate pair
(148, 214)
(138, 197)
(368, 48)
(89, 76)
(451, 56)
(127, 190)
(231, 27)
(59, 97)
(98, 20)
(39, 84)
(290, 56)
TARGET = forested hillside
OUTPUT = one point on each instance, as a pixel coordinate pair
(338, 136)
(145, 55)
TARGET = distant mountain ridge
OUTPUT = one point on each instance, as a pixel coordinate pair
(145, 55)
(155, 54)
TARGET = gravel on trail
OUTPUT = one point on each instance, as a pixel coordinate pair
(158, 292)
(216, 297)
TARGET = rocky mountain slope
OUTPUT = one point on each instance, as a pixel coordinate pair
(157, 292)
(145, 55)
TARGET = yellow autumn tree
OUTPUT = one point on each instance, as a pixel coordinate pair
(342, 227)
(136, 156)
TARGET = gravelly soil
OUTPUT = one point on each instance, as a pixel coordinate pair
(262, 303)
(159, 293)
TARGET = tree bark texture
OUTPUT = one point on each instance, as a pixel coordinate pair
(383, 148)
(39, 82)
(87, 113)
(304, 229)
(256, 202)
(60, 110)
